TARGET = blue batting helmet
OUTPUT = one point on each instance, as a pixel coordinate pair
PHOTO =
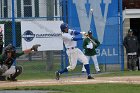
(63, 26)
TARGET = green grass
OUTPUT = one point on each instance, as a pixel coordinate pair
(86, 88)
(37, 70)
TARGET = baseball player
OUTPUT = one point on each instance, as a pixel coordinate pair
(89, 45)
(74, 54)
(7, 59)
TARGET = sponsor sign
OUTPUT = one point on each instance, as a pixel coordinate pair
(45, 33)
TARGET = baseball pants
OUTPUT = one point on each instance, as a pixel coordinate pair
(75, 55)
(96, 65)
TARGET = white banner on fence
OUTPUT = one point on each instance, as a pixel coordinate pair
(45, 33)
(2, 30)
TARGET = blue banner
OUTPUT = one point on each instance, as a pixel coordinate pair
(102, 18)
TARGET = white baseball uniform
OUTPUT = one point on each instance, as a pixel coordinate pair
(72, 51)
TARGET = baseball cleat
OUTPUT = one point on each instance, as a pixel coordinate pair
(83, 71)
(57, 75)
(90, 77)
(2, 78)
(98, 72)
(11, 79)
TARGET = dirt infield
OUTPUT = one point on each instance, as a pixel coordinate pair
(72, 80)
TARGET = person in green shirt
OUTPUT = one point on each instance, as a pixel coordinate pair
(89, 45)
(7, 69)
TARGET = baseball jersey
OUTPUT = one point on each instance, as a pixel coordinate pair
(68, 39)
(87, 51)
(3, 58)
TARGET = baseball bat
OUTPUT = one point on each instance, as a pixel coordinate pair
(91, 40)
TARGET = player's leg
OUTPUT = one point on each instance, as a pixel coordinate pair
(84, 60)
(72, 63)
(83, 68)
(10, 71)
(96, 65)
(134, 62)
(129, 62)
(3, 69)
(12, 77)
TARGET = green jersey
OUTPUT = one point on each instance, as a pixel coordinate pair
(88, 51)
(3, 59)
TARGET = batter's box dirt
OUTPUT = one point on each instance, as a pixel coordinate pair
(72, 80)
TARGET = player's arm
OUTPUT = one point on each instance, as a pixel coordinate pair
(27, 51)
(73, 32)
(70, 37)
(97, 43)
(76, 32)
(77, 38)
(19, 54)
(125, 43)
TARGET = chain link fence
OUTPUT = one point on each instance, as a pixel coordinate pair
(39, 10)
(31, 10)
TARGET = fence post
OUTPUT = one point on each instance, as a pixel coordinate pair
(121, 37)
(49, 61)
(13, 27)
